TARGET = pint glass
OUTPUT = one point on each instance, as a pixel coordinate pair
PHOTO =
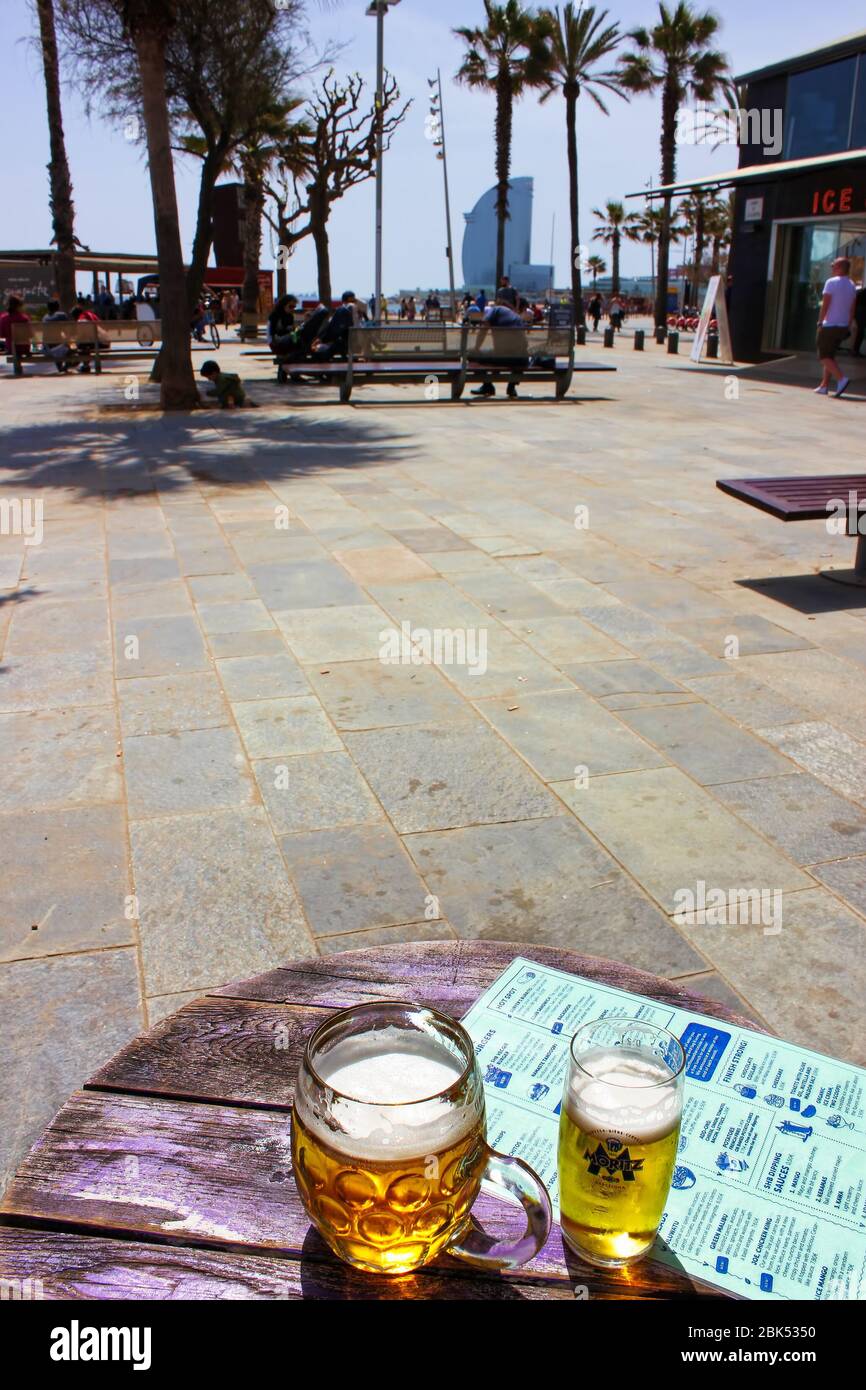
(389, 1147)
(618, 1132)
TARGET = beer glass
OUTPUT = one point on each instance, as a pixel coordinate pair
(389, 1144)
(618, 1132)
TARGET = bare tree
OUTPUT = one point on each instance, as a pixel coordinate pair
(339, 154)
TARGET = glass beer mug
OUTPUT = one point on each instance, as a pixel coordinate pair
(389, 1144)
(618, 1132)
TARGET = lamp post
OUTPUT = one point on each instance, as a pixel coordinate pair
(437, 113)
(378, 10)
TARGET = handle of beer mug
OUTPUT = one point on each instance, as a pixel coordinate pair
(485, 1252)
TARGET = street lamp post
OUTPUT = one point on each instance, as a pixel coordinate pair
(437, 111)
(378, 10)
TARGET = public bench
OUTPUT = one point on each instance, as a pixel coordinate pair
(468, 352)
(837, 496)
(127, 340)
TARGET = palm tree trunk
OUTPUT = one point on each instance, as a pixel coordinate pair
(571, 130)
(504, 119)
(614, 246)
(177, 383)
(62, 208)
(670, 105)
(203, 239)
(319, 226)
(700, 242)
(254, 202)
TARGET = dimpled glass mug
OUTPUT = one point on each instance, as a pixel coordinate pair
(389, 1143)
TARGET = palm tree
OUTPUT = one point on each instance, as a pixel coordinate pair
(674, 57)
(613, 226)
(60, 183)
(507, 55)
(646, 228)
(579, 40)
(148, 24)
(598, 267)
(719, 223)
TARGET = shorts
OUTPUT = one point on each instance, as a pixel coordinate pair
(829, 339)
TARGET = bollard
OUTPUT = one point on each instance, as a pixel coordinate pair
(673, 342)
(608, 337)
(581, 335)
(638, 339)
(661, 333)
(712, 345)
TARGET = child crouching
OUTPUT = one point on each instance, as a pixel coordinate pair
(226, 386)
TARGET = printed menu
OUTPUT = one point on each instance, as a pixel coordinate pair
(769, 1191)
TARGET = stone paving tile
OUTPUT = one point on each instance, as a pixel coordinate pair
(64, 880)
(458, 562)
(508, 667)
(193, 771)
(205, 559)
(280, 727)
(48, 625)
(746, 700)
(262, 677)
(847, 878)
(272, 547)
(624, 624)
(245, 644)
(507, 596)
(670, 833)
(221, 588)
(10, 569)
(385, 936)
(430, 604)
(143, 569)
(160, 1006)
(354, 878)
(55, 680)
(320, 635)
(371, 695)
(753, 634)
(58, 757)
(565, 639)
(315, 791)
(169, 600)
(705, 744)
(676, 658)
(575, 594)
(214, 899)
(829, 754)
(547, 881)
(171, 704)
(809, 981)
(621, 678)
(561, 730)
(305, 584)
(642, 701)
(713, 986)
(502, 546)
(801, 815)
(434, 777)
(250, 615)
(384, 565)
(50, 1042)
(427, 539)
(830, 687)
(668, 598)
(163, 646)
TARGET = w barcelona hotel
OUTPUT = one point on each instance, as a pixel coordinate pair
(799, 193)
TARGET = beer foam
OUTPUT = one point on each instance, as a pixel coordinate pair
(398, 1076)
(623, 1097)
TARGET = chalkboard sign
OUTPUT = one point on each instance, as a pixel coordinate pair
(561, 316)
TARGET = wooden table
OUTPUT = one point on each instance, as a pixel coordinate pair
(169, 1174)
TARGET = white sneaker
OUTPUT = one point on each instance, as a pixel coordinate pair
(820, 390)
(846, 381)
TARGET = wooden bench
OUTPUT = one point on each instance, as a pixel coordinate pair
(470, 351)
(126, 339)
(810, 498)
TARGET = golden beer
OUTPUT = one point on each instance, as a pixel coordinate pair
(618, 1134)
(389, 1146)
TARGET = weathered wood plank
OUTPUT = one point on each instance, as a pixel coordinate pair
(79, 1267)
(220, 1177)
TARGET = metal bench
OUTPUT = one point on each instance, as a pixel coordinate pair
(430, 352)
(126, 339)
(839, 495)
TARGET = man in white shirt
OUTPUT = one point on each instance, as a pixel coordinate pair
(835, 322)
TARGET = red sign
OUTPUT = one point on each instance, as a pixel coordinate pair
(829, 200)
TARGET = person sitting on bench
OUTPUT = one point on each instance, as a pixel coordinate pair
(333, 341)
(281, 324)
(297, 346)
(511, 335)
(14, 314)
(58, 353)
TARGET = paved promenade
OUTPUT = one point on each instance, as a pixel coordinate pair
(217, 754)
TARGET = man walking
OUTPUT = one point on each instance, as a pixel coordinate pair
(835, 322)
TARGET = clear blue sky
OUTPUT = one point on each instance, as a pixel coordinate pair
(617, 154)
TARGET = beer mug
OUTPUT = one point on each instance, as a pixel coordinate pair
(389, 1143)
(618, 1132)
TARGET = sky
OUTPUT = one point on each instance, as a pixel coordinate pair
(618, 153)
